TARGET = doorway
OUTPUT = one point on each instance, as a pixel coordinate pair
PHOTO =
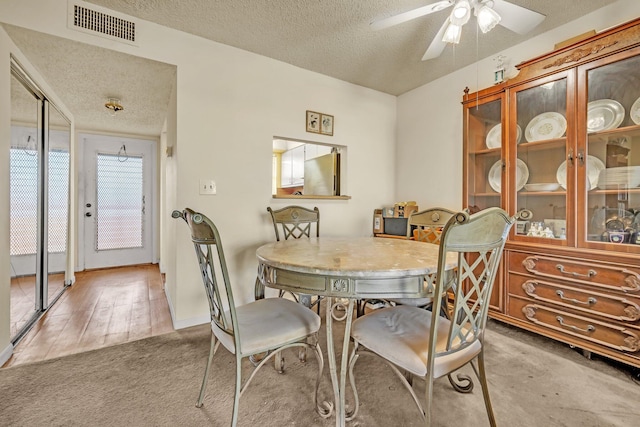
(118, 208)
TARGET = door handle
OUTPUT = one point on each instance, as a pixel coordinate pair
(88, 214)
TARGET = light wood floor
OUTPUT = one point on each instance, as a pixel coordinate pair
(23, 297)
(103, 308)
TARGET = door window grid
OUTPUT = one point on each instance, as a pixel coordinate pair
(119, 202)
(23, 203)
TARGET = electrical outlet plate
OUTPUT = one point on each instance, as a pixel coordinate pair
(207, 186)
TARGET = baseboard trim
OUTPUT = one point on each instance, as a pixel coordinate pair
(170, 304)
(6, 354)
(186, 323)
(194, 321)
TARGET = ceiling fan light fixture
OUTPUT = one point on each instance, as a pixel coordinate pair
(452, 33)
(487, 18)
(461, 13)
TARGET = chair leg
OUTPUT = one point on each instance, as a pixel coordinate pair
(461, 383)
(212, 350)
(352, 362)
(482, 376)
(278, 362)
(238, 391)
(324, 409)
(429, 397)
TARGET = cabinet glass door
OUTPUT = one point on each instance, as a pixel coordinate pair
(483, 154)
(540, 177)
(611, 122)
(484, 140)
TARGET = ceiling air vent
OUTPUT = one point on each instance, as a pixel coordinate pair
(92, 21)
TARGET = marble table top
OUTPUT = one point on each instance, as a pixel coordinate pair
(371, 257)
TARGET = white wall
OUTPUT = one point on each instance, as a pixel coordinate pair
(229, 105)
(429, 138)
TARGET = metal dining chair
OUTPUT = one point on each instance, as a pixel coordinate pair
(264, 327)
(295, 222)
(432, 346)
(424, 226)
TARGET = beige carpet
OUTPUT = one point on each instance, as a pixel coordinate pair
(155, 382)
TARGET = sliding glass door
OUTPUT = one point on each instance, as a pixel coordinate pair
(39, 201)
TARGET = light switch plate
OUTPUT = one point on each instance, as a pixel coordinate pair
(207, 186)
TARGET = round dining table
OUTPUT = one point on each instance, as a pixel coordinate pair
(348, 269)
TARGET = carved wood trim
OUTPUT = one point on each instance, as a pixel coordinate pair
(579, 54)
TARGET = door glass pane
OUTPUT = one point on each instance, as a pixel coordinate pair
(23, 205)
(484, 162)
(541, 171)
(119, 201)
(613, 146)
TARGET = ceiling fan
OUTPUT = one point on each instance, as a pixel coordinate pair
(488, 13)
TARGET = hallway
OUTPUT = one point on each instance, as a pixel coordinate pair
(103, 308)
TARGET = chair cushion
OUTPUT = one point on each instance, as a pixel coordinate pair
(401, 335)
(269, 323)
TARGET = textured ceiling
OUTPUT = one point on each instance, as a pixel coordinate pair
(84, 76)
(331, 37)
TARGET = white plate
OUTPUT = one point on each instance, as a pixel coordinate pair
(635, 112)
(617, 177)
(594, 166)
(494, 136)
(545, 126)
(547, 186)
(604, 114)
(522, 175)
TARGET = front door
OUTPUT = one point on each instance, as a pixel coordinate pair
(118, 226)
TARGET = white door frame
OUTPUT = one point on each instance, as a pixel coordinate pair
(151, 206)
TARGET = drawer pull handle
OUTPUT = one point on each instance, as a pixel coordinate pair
(590, 328)
(590, 300)
(590, 273)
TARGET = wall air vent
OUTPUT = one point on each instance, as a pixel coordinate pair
(92, 21)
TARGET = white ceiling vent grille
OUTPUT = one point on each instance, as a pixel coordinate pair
(92, 21)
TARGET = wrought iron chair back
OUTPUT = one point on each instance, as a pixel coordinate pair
(427, 225)
(209, 252)
(295, 222)
(432, 346)
(479, 242)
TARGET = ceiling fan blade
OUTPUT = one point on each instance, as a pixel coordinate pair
(517, 18)
(437, 45)
(412, 14)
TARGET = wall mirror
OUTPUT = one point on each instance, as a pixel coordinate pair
(39, 201)
(306, 169)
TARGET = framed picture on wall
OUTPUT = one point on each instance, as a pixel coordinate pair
(313, 121)
(326, 124)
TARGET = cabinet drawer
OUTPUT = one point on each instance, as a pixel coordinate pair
(584, 328)
(607, 277)
(612, 306)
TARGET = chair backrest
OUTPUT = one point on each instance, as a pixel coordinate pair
(427, 225)
(213, 267)
(295, 222)
(478, 240)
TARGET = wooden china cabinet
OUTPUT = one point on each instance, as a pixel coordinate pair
(560, 142)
